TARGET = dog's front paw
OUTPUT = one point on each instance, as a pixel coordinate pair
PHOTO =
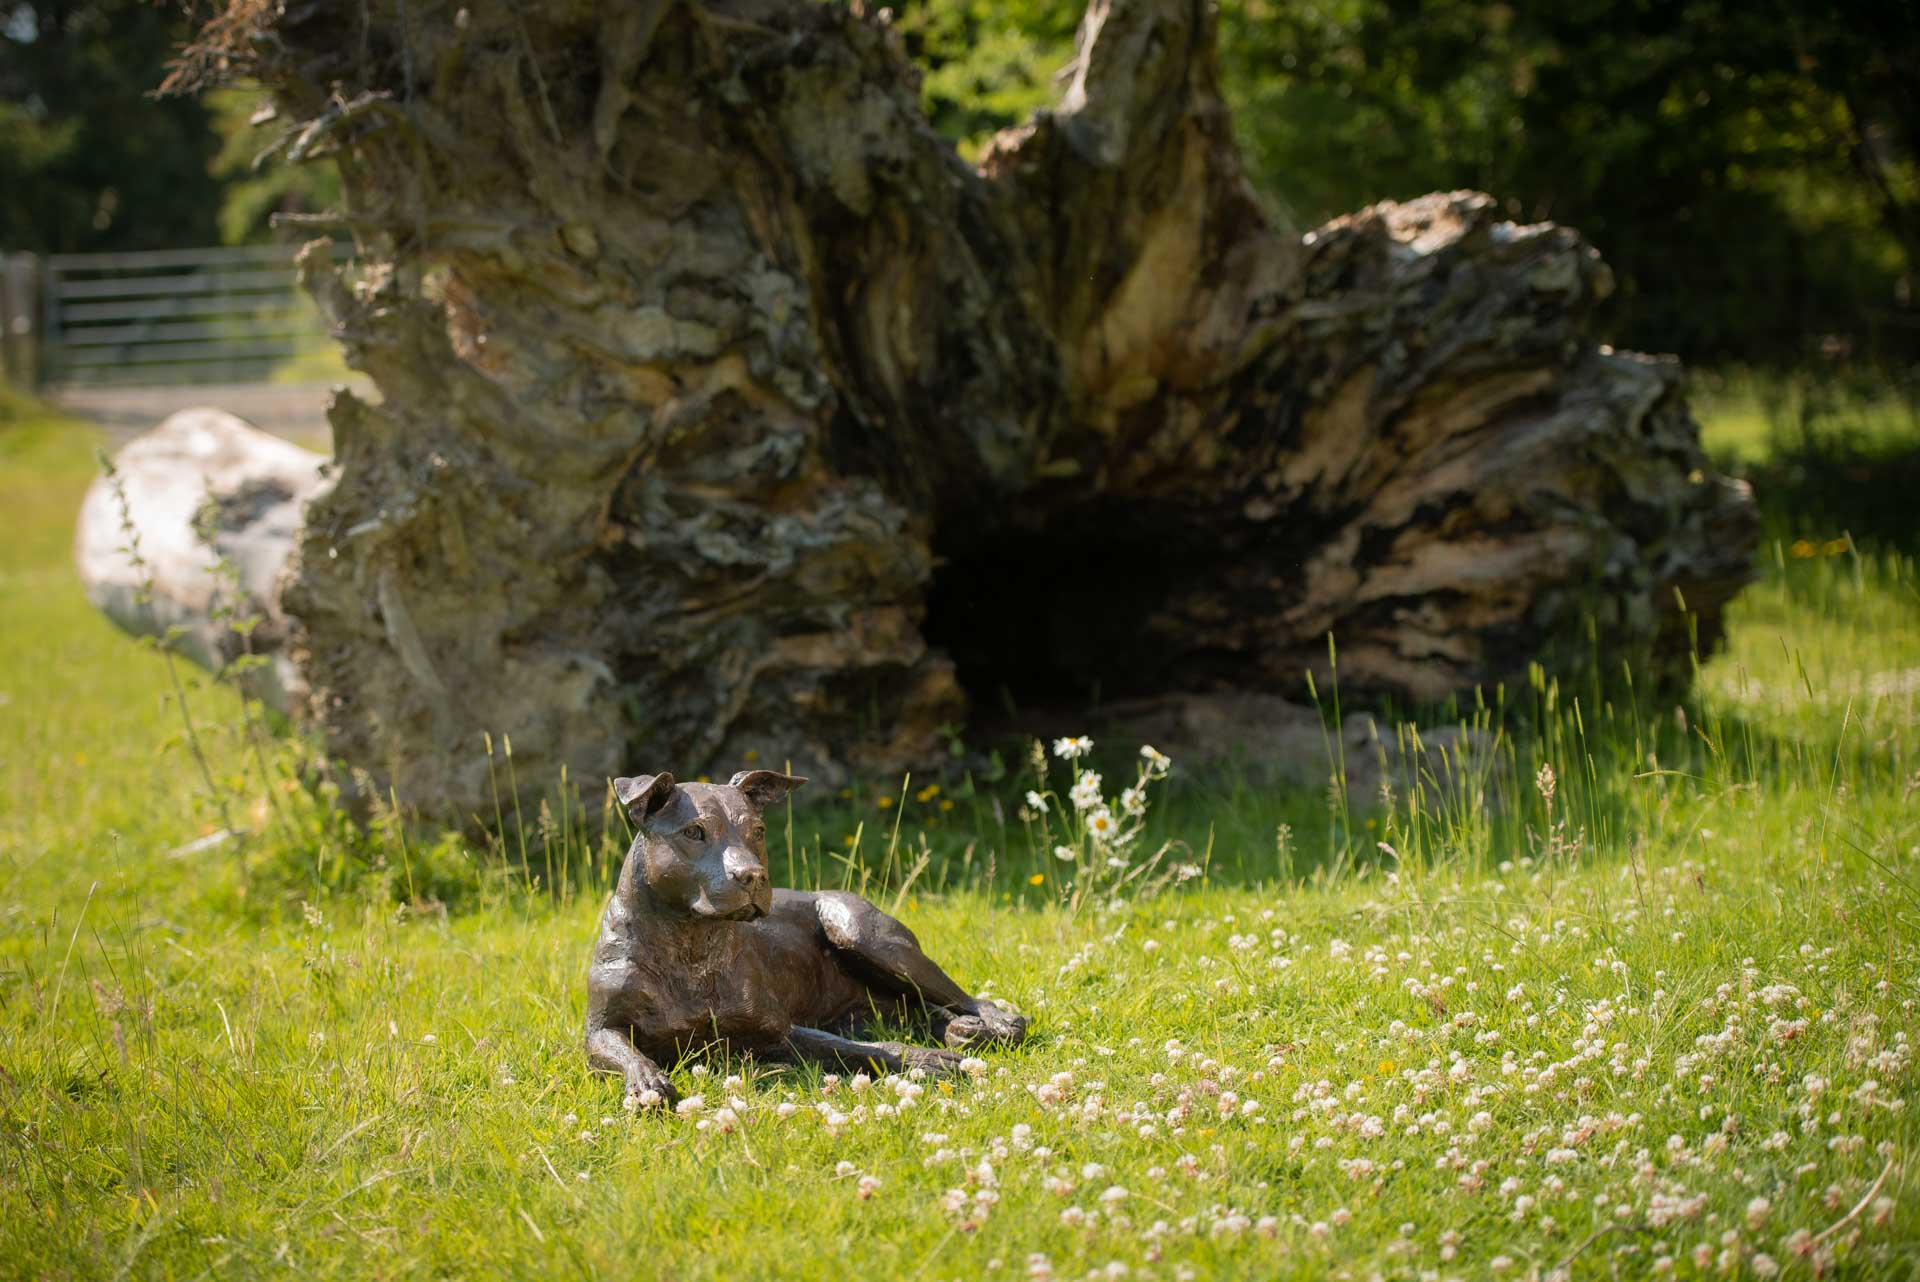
(931, 1059)
(990, 1024)
(650, 1091)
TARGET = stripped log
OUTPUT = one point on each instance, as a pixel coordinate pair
(187, 536)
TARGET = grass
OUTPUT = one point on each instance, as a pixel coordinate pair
(1831, 453)
(1755, 416)
(1651, 1008)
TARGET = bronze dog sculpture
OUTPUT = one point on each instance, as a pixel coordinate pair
(697, 950)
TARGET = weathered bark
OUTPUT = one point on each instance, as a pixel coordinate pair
(725, 408)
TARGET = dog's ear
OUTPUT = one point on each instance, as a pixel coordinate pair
(765, 788)
(644, 795)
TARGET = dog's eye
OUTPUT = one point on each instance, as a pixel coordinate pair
(694, 832)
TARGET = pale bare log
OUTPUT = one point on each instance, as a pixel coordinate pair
(186, 539)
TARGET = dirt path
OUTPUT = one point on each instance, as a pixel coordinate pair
(297, 411)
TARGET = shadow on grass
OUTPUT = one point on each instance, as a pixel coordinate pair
(1624, 774)
(1830, 474)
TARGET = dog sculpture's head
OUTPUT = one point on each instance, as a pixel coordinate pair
(702, 846)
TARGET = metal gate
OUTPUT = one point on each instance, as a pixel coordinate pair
(224, 315)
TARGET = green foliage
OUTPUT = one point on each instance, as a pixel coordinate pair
(255, 182)
(88, 160)
(1748, 170)
(987, 66)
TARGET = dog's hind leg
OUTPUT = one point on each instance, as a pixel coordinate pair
(886, 954)
(813, 1046)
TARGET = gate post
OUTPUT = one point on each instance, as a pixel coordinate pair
(20, 321)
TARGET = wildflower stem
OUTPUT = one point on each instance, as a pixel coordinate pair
(1866, 1199)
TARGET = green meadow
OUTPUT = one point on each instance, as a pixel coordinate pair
(1625, 990)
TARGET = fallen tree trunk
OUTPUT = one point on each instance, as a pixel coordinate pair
(726, 410)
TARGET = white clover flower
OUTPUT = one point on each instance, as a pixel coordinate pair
(1072, 748)
(1038, 802)
(691, 1105)
(867, 1187)
(1086, 792)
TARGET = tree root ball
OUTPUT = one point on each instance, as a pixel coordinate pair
(726, 410)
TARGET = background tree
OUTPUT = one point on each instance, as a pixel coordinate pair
(254, 184)
(1748, 169)
(88, 160)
